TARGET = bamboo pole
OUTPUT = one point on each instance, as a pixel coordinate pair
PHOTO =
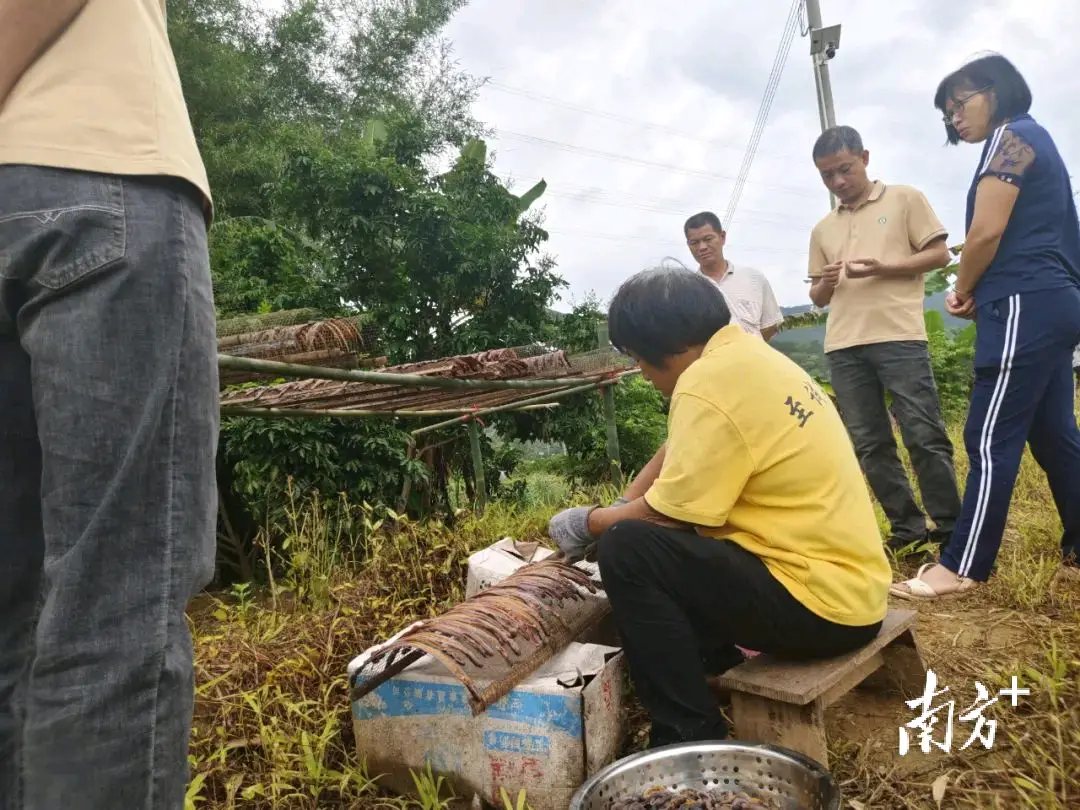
(247, 324)
(544, 398)
(478, 466)
(608, 393)
(406, 485)
(316, 413)
(250, 364)
(333, 413)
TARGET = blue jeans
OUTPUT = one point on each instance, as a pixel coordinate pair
(108, 431)
(1023, 394)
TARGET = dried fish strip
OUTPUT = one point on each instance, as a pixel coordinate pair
(502, 633)
(660, 798)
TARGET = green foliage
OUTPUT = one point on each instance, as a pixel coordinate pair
(263, 267)
(804, 320)
(522, 800)
(940, 280)
(810, 355)
(952, 356)
(444, 262)
(365, 459)
(576, 331)
(535, 486)
(578, 422)
(319, 122)
(952, 351)
(640, 419)
(429, 789)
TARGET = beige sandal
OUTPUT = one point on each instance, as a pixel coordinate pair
(920, 591)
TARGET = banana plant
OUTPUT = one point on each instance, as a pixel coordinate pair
(526, 200)
(475, 151)
(374, 132)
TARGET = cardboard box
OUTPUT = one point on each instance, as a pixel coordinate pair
(548, 735)
(499, 560)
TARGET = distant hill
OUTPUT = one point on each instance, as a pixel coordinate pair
(816, 334)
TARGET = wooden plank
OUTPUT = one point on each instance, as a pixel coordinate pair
(801, 682)
(800, 728)
(851, 679)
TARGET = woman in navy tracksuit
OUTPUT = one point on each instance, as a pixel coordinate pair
(1019, 278)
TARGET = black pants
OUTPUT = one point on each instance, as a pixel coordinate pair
(860, 377)
(675, 594)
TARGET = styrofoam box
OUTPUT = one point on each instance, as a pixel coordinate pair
(548, 735)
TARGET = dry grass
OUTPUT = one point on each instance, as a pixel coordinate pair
(272, 725)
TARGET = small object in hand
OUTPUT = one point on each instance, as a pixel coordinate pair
(862, 268)
(620, 501)
(660, 798)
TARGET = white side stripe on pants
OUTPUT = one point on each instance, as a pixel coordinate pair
(1012, 323)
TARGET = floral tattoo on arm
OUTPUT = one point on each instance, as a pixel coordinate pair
(1013, 155)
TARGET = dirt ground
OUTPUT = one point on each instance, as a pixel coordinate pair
(962, 641)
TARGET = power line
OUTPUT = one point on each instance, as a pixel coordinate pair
(622, 119)
(599, 153)
(681, 211)
(613, 237)
(767, 98)
(593, 194)
(802, 158)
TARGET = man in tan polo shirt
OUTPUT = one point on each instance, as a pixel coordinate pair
(108, 407)
(867, 262)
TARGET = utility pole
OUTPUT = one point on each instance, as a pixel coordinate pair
(823, 45)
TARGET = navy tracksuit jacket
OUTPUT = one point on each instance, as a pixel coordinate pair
(1027, 323)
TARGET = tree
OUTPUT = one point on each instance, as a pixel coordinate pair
(446, 263)
(320, 125)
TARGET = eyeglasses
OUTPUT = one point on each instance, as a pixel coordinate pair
(958, 105)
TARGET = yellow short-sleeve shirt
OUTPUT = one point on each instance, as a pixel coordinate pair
(757, 454)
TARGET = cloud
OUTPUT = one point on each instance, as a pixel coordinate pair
(637, 114)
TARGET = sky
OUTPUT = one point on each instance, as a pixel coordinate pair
(638, 114)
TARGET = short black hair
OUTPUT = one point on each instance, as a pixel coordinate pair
(993, 72)
(839, 139)
(701, 220)
(662, 312)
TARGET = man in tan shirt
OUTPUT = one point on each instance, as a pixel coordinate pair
(108, 407)
(867, 262)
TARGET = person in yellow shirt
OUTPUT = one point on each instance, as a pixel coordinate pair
(108, 407)
(758, 530)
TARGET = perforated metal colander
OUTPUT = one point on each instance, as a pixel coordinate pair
(792, 780)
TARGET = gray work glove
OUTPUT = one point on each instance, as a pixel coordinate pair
(570, 529)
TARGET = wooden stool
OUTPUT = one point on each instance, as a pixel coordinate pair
(784, 702)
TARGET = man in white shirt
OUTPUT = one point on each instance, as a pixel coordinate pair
(747, 290)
